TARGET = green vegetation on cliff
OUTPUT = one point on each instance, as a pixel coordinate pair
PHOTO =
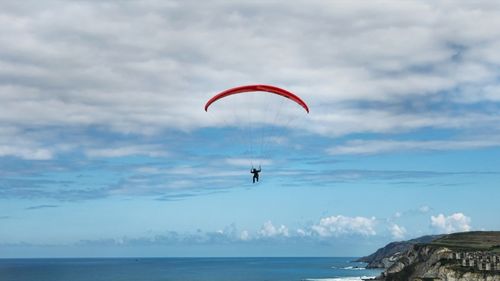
(474, 240)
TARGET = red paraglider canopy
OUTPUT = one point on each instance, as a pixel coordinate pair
(258, 88)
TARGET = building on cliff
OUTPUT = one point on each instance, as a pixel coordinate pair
(482, 261)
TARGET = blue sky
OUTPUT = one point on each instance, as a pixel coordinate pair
(105, 149)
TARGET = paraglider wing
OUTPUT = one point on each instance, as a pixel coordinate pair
(258, 88)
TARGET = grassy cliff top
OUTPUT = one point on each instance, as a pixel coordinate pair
(474, 240)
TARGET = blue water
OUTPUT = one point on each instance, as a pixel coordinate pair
(183, 269)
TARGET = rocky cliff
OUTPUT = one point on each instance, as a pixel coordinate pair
(456, 257)
(387, 255)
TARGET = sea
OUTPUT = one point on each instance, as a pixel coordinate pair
(185, 269)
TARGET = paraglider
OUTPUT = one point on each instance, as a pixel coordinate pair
(266, 89)
(255, 173)
(258, 88)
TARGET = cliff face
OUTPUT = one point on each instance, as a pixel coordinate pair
(430, 262)
(387, 255)
(465, 256)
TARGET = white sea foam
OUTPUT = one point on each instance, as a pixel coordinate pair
(349, 267)
(354, 268)
(340, 278)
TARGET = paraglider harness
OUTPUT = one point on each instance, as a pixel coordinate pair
(255, 173)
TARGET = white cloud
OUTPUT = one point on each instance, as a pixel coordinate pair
(424, 209)
(25, 152)
(397, 232)
(16, 143)
(148, 150)
(268, 230)
(339, 225)
(302, 233)
(454, 223)
(385, 146)
(245, 162)
(245, 235)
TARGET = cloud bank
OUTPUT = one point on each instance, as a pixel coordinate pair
(372, 67)
(84, 83)
(338, 225)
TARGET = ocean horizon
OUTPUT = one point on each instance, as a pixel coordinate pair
(185, 269)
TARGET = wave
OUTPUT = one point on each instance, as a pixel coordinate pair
(349, 267)
(354, 268)
(356, 278)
